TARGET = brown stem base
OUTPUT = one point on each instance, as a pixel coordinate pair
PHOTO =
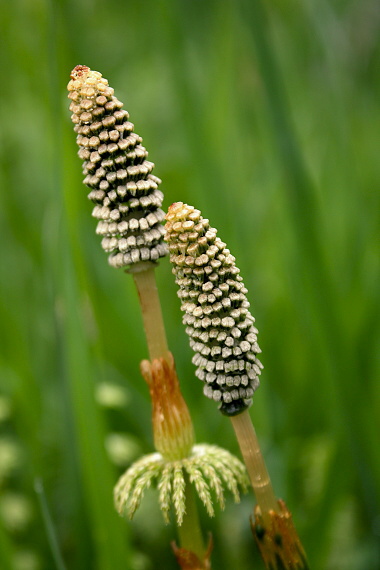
(278, 541)
(188, 560)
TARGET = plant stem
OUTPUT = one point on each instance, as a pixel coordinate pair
(189, 532)
(254, 461)
(145, 281)
(279, 544)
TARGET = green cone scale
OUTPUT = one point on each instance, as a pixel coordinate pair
(216, 310)
(124, 190)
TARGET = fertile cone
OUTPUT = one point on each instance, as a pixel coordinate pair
(128, 202)
(216, 309)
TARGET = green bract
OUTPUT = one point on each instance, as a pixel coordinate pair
(209, 468)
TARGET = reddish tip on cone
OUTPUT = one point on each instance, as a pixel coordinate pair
(78, 71)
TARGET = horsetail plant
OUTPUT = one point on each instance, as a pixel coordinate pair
(128, 207)
(177, 462)
(223, 336)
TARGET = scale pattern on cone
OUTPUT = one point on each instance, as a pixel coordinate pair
(123, 188)
(216, 310)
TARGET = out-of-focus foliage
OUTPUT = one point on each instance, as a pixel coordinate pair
(268, 122)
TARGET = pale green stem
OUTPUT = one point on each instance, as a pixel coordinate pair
(145, 282)
(254, 461)
(189, 532)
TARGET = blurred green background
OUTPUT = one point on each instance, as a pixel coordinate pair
(265, 116)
